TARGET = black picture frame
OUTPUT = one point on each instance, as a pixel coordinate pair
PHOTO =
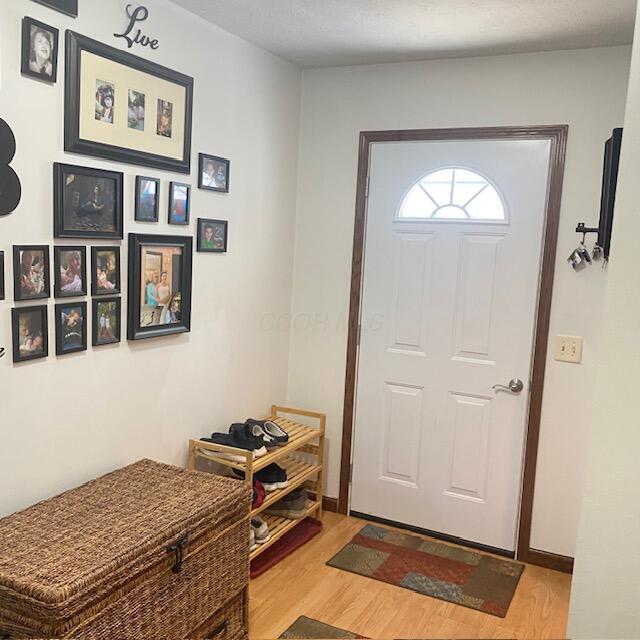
(155, 244)
(201, 235)
(68, 7)
(96, 289)
(172, 219)
(18, 294)
(60, 230)
(58, 287)
(2, 290)
(138, 204)
(75, 45)
(60, 308)
(202, 159)
(16, 312)
(97, 334)
(25, 65)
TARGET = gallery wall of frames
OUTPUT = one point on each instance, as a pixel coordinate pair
(125, 108)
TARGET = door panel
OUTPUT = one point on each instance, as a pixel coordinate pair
(448, 310)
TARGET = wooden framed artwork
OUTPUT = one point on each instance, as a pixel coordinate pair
(212, 236)
(159, 291)
(30, 272)
(106, 321)
(105, 271)
(39, 50)
(124, 108)
(87, 203)
(71, 327)
(147, 207)
(70, 7)
(30, 333)
(213, 173)
(70, 271)
(179, 203)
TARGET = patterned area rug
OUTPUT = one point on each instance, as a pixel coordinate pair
(443, 571)
(305, 627)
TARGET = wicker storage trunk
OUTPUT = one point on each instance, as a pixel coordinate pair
(148, 551)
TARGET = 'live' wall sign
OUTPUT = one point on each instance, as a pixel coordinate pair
(133, 35)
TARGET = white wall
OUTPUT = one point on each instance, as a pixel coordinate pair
(66, 419)
(585, 89)
(605, 596)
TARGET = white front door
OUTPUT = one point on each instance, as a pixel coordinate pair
(450, 288)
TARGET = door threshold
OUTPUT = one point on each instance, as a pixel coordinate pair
(437, 535)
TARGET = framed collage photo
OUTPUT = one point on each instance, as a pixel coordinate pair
(70, 7)
(105, 271)
(212, 236)
(179, 203)
(71, 327)
(213, 173)
(30, 333)
(159, 288)
(106, 321)
(39, 50)
(87, 203)
(125, 108)
(30, 272)
(70, 271)
(147, 207)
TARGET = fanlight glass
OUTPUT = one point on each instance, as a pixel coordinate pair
(453, 194)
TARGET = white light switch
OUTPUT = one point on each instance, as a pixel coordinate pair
(569, 348)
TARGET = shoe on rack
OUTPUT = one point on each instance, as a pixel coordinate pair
(260, 530)
(272, 477)
(250, 436)
(226, 440)
(293, 505)
(252, 540)
(271, 429)
(258, 494)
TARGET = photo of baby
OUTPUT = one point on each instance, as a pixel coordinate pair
(29, 333)
(106, 270)
(71, 328)
(70, 271)
(31, 272)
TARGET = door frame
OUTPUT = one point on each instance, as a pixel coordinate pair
(557, 134)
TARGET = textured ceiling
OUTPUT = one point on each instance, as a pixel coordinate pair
(319, 33)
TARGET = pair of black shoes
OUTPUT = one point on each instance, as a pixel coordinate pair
(272, 477)
(253, 435)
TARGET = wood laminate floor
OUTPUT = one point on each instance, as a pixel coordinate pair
(302, 585)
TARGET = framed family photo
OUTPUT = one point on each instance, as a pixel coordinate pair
(2, 275)
(87, 203)
(159, 290)
(106, 321)
(125, 108)
(39, 50)
(179, 203)
(30, 333)
(212, 236)
(70, 271)
(147, 207)
(70, 7)
(213, 173)
(105, 271)
(30, 272)
(71, 327)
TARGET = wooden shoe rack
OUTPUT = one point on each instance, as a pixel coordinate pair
(302, 457)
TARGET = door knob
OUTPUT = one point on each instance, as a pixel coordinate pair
(515, 386)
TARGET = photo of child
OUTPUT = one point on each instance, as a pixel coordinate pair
(71, 328)
(106, 321)
(29, 327)
(31, 272)
(105, 101)
(136, 110)
(70, 271)
(106, 275)
(165, 118)
(212, 235)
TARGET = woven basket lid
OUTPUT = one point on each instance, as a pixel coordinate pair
(81, 541)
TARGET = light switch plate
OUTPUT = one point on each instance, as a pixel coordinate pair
(569, 348)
